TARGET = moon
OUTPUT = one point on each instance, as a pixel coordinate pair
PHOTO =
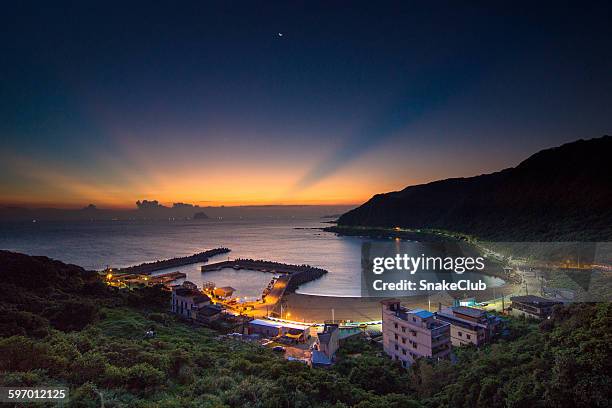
(280, 34)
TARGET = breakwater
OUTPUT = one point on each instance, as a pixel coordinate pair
(149, 267)
(298, 274)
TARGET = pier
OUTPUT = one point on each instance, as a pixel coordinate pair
(131, 279)
(150, 267)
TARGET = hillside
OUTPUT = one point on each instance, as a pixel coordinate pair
(563, 193)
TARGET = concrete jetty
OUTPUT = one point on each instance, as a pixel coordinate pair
(150, 267)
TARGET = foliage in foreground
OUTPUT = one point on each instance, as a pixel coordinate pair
(103, 355)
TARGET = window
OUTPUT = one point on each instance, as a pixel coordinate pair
(396, 337)
(468, 336)
(396, 348)
(403, 340)
(414, 345)
(395, 325)
(403, 330)
(460, 334)
(403, 351)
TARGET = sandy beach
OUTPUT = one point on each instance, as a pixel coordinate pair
(310, 308)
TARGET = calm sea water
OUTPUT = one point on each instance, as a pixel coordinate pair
(95, 245)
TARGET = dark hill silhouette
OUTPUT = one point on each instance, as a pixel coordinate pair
(38, 294)
(563, 193)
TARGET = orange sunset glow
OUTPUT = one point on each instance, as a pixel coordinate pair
(112, 113)
(229, 176)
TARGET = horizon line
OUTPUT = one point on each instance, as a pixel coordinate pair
(68, 207)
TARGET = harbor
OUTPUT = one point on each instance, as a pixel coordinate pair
(286, 280)
(258, 288)
(297, 274)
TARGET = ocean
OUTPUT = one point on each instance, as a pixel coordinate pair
(98, 244)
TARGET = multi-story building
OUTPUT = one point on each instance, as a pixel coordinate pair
(327, 344)
(411, 334)
(185, 300)
(469, 325)
(532, 306)
(328, 340)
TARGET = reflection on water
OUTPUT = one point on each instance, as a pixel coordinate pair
(247, 283)
(94, 245)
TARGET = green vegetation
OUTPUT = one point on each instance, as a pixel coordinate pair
(103, 353)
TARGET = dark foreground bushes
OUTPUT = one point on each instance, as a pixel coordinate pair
(91, 338)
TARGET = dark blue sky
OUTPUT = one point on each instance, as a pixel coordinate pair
(205, 102)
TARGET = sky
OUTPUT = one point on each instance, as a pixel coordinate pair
(236, 103)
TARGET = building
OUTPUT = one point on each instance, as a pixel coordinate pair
(318, 359)
(224, 292)
(266, 328)
(189, 285)
(185, 300)
(411, 334)
(270, 328)
(328, 342)
(296, 332)
(531, 306)
(470, 325)
(207, 313)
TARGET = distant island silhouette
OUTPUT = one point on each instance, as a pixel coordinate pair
(153, 210)
(145, 209)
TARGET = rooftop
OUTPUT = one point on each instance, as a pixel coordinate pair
(267, 323)
(186, 292)
(294, 326)
(536, 300)
(227, 289)
(461, 319)
(318, 357)
(199, 298)
(209, 310)
(469, 311)
(422, 313)
(325, 335)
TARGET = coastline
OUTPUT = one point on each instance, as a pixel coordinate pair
(422, 235)
(317, 309)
